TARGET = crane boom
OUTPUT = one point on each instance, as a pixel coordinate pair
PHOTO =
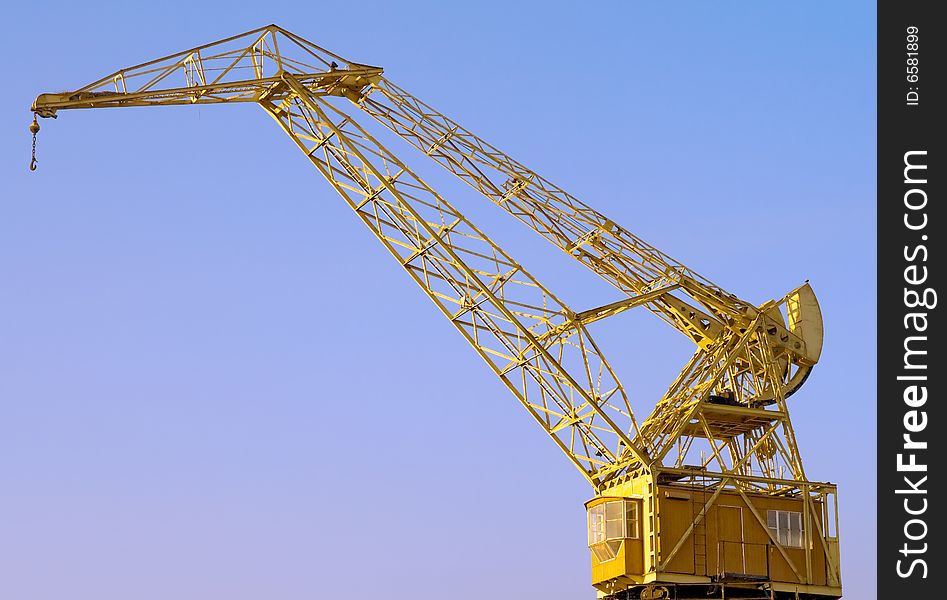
(728, 404)
(526, 342)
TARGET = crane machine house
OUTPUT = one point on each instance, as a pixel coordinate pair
(706, 496)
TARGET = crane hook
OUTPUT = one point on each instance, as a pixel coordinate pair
(34, 129)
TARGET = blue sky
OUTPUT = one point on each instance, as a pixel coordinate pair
(216, 383)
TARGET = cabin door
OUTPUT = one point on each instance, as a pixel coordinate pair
(731, 557)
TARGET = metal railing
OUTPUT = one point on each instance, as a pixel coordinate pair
(743, 560)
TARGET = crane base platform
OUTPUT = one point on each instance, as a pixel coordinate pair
(719, 591)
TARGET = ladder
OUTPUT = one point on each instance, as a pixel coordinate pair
(700, 526)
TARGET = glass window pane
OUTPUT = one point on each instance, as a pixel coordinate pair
(596, 524)
(604, 552)
(613, 510)
(771, 519)
(795, 521)
(783, 520)
(614, 520)
(784, 537)
(631, 518)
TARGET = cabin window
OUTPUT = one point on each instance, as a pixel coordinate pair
(631, 519)
(609, 523)
(786, 527)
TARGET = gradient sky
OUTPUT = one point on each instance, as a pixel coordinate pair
(215, 383)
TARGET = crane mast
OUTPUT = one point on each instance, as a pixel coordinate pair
(720, 437)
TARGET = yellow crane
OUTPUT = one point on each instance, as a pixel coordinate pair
(704, 497)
